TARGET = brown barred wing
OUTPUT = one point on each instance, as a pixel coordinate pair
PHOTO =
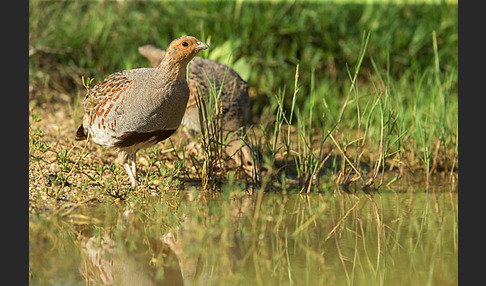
(104, 102)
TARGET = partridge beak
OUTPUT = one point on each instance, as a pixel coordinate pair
(202, 46)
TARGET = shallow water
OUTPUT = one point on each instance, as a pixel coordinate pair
(406, 238)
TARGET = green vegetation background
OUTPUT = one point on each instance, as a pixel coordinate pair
(409, 67)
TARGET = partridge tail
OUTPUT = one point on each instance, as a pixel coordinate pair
(80, 135)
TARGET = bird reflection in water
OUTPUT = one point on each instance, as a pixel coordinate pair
(112, 258)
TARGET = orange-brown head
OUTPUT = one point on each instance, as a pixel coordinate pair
(184, 49)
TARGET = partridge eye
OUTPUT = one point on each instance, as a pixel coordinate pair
(185, 44)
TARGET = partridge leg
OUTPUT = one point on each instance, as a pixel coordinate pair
(131, 174)
(134, 164)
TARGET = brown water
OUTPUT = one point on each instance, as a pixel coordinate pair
(406, 238)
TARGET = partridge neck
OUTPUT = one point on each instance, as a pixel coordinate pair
(171, 68)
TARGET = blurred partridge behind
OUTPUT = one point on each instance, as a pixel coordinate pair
(135, 109)
(205, 75)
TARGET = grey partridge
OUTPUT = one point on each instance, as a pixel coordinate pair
(205, 75)
(135, 109)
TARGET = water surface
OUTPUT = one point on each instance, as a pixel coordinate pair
(405, 238)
